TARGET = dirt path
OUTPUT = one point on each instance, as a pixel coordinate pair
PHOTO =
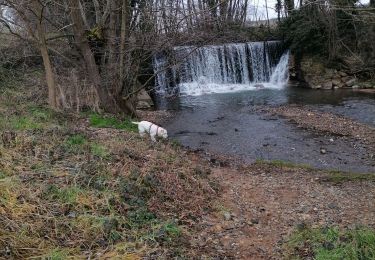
(261, 204)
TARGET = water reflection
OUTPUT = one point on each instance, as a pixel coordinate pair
(289, 95)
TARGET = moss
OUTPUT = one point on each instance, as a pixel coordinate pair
(280, 163)
(331, 243)
(340, 177)
(100, 121)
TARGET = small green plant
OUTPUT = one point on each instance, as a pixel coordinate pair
(25, 123)
(280, 163)
(41, 113)
(99, 150)
(2, 175)
(176, 144)
(172, 230)
(76, 140)
(66, 195)
(340, 177)
(100, 121)
(331, 243)
(141, 217)
(57, 254)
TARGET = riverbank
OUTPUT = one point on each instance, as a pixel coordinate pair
(87, 186)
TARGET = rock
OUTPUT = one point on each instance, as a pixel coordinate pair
(227, 216)
(316, 87)
(345, 79)
(342, 74)
(365, 85)
(327, 85)
(323, 151)
(144, 100)
(337, 82)
(143, 105)
(332, 205)
(254, 221)
(356, 86)
(351, 82)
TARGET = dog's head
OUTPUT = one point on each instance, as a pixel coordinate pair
(163, 133)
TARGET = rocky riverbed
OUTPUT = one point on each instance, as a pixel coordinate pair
(291, 133)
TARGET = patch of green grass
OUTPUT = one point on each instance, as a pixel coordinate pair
(41, 113)
(76, 141)
(340, 177)
(172, 230)
(280, 163)
(141, 217)
(99, 150)
(100, 121)
(176, 143)
(25, 123)
(57, 254)
(66, 195)
(3, 175)
(331, 243)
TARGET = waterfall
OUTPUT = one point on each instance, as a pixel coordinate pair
(193, 70)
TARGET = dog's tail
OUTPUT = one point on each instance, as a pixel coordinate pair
(136, 123)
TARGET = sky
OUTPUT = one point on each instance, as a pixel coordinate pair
(260, 8)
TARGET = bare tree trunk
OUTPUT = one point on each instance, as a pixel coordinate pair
(110, 103)
(52, 101)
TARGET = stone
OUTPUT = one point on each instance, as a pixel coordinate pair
(356, 86)
(343, 74)
(143, 105)
(316, 87)
(365, 85)
(336, 82)
(227, 216)
(254, 221)
(144, 100)
(327, 85)
(345, 79)
(323, 151)
(351, 82)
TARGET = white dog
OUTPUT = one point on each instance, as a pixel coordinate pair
(152, 129)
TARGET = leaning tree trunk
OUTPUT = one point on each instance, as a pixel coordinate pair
(110, 101)
(52, 101)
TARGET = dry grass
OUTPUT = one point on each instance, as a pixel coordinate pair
(69, 190)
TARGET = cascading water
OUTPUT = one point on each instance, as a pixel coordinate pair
(222, 68)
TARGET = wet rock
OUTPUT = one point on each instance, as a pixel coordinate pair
(351, 83)
(327, 85)
(323, 151)
(316, 87)
(356, 86)
(337, 82)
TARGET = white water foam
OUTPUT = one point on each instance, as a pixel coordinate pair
(223, 69)
(278, 80)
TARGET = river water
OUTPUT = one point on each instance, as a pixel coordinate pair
(227, 123)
